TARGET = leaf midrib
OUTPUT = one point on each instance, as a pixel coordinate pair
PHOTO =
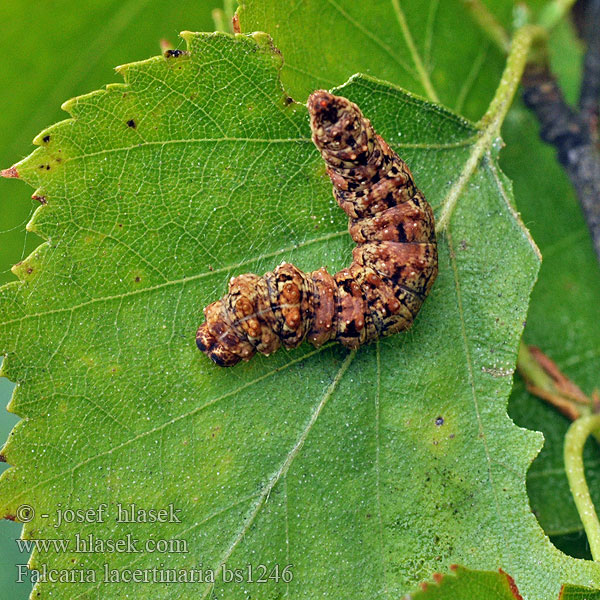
(283, 469)
(181, 281)
(399, 145)
(373, 38)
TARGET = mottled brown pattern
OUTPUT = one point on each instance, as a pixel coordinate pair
(393, 268)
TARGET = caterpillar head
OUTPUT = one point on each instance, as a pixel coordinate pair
(339, 129)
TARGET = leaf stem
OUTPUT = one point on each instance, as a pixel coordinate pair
(532, 370)
(219, 19)
(515, 65)
(223, 17)
(544, 379)
(229, 10)
(492, 120)
(575, 440)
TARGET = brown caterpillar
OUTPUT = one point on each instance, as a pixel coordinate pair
(393, 268)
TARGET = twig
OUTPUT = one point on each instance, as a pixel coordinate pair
(589, 98)
(545, 380)
(567, 131)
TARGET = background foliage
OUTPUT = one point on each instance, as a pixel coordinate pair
(569, 278)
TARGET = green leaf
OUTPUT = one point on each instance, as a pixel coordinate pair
(323, 53)
(411, 43)
(366, 472)
(76, 47)
(464, 584)
(572, 592)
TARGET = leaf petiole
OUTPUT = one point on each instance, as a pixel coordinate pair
(575, 440)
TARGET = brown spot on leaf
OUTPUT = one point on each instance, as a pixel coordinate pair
(439, 421)
(10, 173)
(2, 458)
(40, 199)
(46, 139)
(131, 123)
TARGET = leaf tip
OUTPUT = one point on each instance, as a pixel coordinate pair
(187, 36)
(10, 173)
(67, 105)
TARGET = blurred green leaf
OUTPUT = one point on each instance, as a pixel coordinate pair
(367, 472)
(432, 48)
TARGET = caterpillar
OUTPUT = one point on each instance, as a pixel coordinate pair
(393, 265)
